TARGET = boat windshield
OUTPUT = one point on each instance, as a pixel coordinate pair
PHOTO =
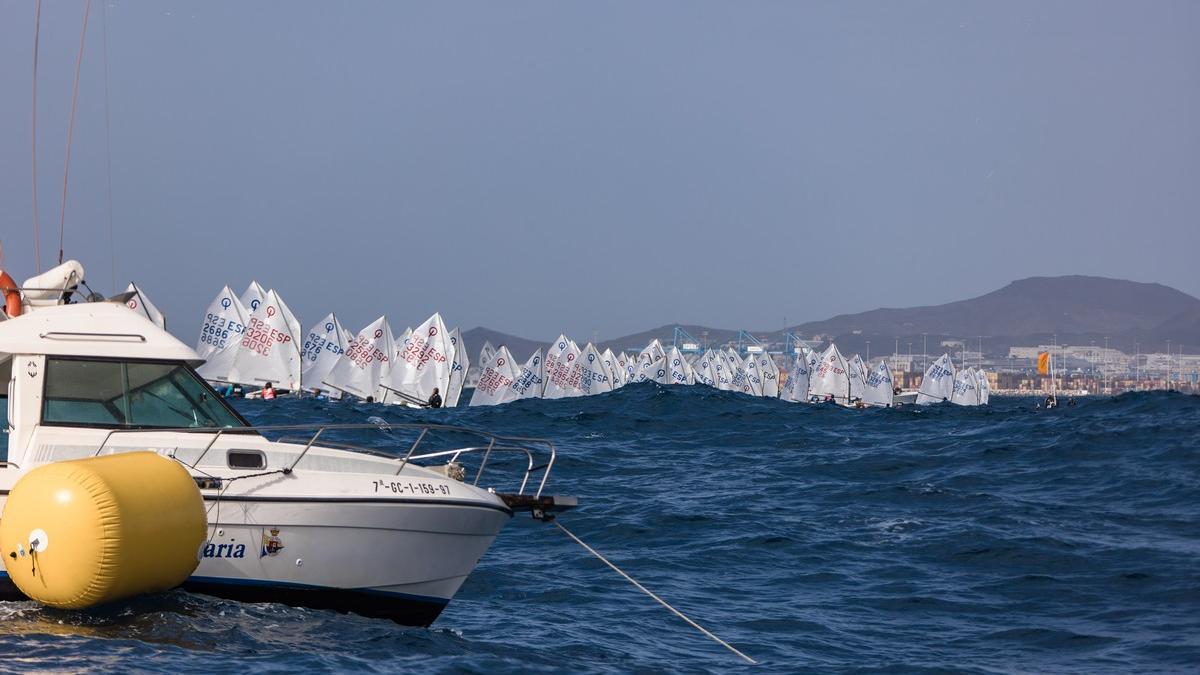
(131, 395)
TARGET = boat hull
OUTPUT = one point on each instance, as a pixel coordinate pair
(389, 558)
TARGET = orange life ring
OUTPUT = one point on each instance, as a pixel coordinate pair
(12, 295)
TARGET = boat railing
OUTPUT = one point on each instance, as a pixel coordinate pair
(535, 449)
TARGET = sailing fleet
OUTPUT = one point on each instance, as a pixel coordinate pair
(254, 338)
(826, 377)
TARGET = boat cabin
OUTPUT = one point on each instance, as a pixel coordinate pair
(98, 366)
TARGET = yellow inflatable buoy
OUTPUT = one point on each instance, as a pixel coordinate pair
(84, 532)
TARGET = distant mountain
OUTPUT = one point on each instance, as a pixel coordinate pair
(1069, 305)
(1073, 310)
(520, 347)
(665, 334)
(1183, 330)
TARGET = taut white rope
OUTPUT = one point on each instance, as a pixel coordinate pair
(650, 593)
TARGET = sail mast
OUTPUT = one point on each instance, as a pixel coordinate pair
(1053, 378)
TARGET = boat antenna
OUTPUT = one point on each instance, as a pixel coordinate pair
(62, 219)
(92, 296)
(650, 593)
(112, 247)
(37, 230)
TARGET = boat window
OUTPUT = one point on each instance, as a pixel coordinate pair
(247, 459)
(131, 394)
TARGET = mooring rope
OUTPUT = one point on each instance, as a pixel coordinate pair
(223, 485)
(650, 593)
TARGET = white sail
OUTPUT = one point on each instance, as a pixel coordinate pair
(856, 370)
(692, 361)
(511, 362)
(495, 379)
(293, 324)
(985, 387)
(879, 386)
(796, 389)
(612, 367)
(223, 326)
(677, 369)
(422, 363)
(623, 360)
(831, 378)
(562, 369)
(141, 304)
(752, 381)
(703, 370)
(253, 297)
(323, 346)
(714, 367)
(358, 370)
(268, 352)
(723, 369)
(594, 377)
(938, 383)
(555, 351)
(966, 388)
(631, 368)
(486, 353)
(663, 374)
(652, 364)
(384, 392)
(642, 366)
(458, 369)
(769, 372)
(737, 372)
(529, 381)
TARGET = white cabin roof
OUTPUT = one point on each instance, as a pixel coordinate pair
(105, 329)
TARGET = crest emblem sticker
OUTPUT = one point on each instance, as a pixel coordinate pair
(272, 545)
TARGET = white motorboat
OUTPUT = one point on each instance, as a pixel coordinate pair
(293, 521)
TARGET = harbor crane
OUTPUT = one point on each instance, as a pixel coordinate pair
(748, 344)
(684, 341)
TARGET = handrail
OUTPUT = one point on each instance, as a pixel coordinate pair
(413, 448)
(496, 442)
(78, 336)
(307, 445)
(104, 442)
(483, 464)
(208, 447)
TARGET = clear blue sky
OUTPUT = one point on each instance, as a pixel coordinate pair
(607, 167)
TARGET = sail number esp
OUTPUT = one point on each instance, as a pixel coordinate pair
(407, 487)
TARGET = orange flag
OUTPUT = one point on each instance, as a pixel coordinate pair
(1043, 363)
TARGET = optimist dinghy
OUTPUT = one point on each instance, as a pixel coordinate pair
(300, 521)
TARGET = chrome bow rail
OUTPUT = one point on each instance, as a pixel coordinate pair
(489, 444)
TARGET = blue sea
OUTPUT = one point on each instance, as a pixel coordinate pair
(814, 538)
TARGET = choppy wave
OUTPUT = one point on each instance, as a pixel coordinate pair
(998, 538)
